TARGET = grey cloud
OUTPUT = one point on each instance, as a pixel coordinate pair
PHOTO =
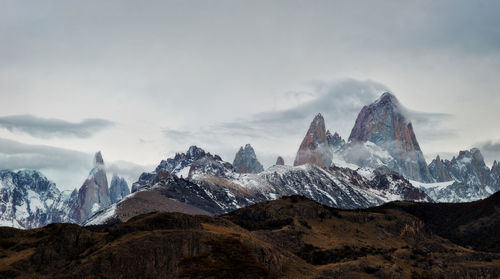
(50, 127)
(339, 102)
(429, 126)
(16, 155)
(177, 135)
(68, 168)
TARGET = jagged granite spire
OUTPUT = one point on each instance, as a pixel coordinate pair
(246, 161)
(280, 161)
(314, 147)
(98, 160)
(384, 123)
(439, 171)
(118, 189)
(94, 193)
(335, 141)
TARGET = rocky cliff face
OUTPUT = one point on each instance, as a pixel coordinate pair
(439, 171)
(118, 189)
(94, 193)
(29, 200)
(314, 148)
(246, 161)
(494, 177)
(384, 124)
(468, 168)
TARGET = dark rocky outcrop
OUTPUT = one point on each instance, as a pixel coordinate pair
(314, 148)
(245, 161)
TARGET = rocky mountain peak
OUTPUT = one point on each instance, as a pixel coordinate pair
(29, 200)
(469, 167)
(245, 161)
(438, 170)
(387, 98)
(118, 189)
(473, 155)
(280, 161)
(494, 177)
(195, 153)
(93, 195)
(314, 147)
(186, 165)
(385, 124)
(98, 160)
(335, 141)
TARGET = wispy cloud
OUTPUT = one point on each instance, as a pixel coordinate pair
(51, 128)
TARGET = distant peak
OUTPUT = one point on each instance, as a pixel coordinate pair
(248, 147)
(280, 161)
(387, 98)
(318, 117)
(98, 161)
(387, 95)
(318, 121)
(195, 152)
(245, 160)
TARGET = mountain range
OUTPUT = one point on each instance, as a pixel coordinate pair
(380, 162)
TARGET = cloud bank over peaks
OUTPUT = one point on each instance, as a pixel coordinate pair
(281, 131)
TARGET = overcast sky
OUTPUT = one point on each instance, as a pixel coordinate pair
(141, 80)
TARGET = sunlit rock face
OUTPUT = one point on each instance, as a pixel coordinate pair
(384, 123)
(314, 148)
